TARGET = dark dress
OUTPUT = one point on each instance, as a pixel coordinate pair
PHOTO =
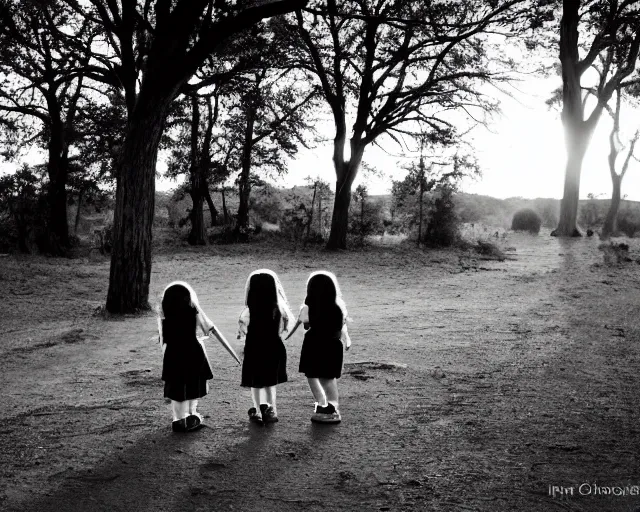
(322, 351)
(185, 367)
(265, 356)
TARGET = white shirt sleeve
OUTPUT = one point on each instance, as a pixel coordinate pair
(163, 345)
(243, 323)
(303, 316)
(344, 336)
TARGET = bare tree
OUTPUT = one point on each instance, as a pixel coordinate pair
(403, 63)
(610, 225)
(614, 29)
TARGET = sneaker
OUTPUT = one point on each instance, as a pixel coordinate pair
(254, 416)
(179, 425)
(269, 414)
(194, 422)
(327, 414)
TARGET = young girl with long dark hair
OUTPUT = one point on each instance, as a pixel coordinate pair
(185, 365)
(324, 315)
(264, 320)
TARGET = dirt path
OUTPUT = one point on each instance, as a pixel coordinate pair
(471, 385)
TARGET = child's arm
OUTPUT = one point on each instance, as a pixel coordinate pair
(163, 345)
(303, 318)
(214, 330)
(293, 330)
(209, 328)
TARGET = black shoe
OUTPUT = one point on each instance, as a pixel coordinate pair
(269, 414)
(327, 414)
(179, 425)
(328, 409)
(254, 416)
(194, 422)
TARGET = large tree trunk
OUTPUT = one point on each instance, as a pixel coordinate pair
(346, 173)
(78, 211)
(313, 204)
(340, 217)
(225, 212)
(22, 226)
(611, 221)
(130, 271)
(244, 184)
(198, 234)
(212, 208)
(58, 227)
(576, 148)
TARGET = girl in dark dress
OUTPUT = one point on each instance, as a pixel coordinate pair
(262, 323)
(324, 315)
(185, 365)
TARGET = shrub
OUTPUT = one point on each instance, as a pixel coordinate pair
(548, 214)
(489, 250)
(8, 235)
(443, 225)
(294, 222)
(365, 215)
(629, 224)
(614, 254)
(526, 220)
(266, 206)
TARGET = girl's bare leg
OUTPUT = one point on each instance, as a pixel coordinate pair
(330, 387)
(179, 410)
(317, 391)
(270, 393)
(193, 405)
(255, 396)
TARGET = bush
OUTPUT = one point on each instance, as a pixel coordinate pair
(629, 224)
(443, 226)
(266, 206)
(8, 235)
(548, 213)
(365, 215)
(489, 250)
(294, 222)
(526, 220)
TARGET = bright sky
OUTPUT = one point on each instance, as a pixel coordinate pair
(523, 154)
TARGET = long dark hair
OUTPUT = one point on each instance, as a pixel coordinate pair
(321, 299)
(262, 298)
(179, 313)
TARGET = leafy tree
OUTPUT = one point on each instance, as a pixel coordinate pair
(19, 193)
(191, 155)
(427, 191)
(613, 29)
(365, 215)
(611, 220)
(155, 47)
(398, 64)
(41, 92)
(269, 121)
(321, 192)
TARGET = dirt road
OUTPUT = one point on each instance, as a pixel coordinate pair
(471, 385)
